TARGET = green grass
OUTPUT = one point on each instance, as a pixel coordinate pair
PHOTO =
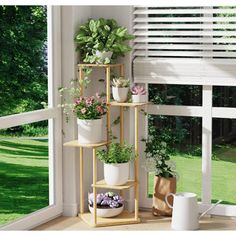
(23, 178)
(223, 175)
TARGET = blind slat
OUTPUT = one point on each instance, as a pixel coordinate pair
(184, 33)
(184, 46)
(184, 11)
(185, 26)
(185, 19)
(184, 40)
(184, 53)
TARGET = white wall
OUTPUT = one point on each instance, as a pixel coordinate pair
(72, 18)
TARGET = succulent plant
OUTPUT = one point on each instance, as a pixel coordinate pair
(138, 90)
(120, 82)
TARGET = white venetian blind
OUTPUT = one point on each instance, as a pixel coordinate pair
(183, 35)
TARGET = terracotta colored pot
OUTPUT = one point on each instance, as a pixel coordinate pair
(163, 186)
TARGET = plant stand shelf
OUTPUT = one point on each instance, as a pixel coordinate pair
(125, 217)
(127, 104)
(75, 143)
(102, 184)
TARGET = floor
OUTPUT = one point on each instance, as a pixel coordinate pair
(148, 222)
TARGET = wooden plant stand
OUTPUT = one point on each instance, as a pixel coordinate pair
(125, 217)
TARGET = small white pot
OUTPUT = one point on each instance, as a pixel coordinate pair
(103, 55)
(89, 131)
(107, 212)
(116, 174)
(138, 98)
(120, 94)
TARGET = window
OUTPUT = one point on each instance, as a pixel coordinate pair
(30, 122)
(24, 67)
(185, 56)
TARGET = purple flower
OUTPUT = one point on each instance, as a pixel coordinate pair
(108, 199)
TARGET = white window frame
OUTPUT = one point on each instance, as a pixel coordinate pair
(53, 115)
(147, 71)
(207, 112)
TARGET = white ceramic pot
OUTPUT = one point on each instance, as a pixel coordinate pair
(103, 55)
(138, 98)
(89, 131)
(107, 212)
(120, 94)
(116, 174)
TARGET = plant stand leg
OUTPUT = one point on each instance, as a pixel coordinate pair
(136, 164)
(81, 177)
(80, 79)
(121, 125)
(108, 91)
(94, 188)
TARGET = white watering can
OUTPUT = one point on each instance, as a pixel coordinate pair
(185, 215)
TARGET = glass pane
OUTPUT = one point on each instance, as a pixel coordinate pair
(23, 170)
(183, 138)
(188, 95)
(23, 56)
(224, 96)
(224, 161)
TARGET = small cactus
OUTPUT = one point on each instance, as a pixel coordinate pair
(138, 90)
(120, 82)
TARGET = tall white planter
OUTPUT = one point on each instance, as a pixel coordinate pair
(120, 94)
(89, 131)
(116, 174)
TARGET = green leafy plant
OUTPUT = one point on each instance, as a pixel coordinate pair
(157, 156)
(116, 153)
(120, 82)
(104, 35)
(70, 94)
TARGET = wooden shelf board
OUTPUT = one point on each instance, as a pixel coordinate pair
(102, 184)
(99, 65)
(128, 104)
(75, 143)
(123, 219)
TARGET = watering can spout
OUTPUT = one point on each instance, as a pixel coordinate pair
(209, 209)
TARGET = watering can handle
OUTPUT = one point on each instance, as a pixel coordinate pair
(166, 199)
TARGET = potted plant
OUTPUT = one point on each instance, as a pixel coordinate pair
(158, 161)
(102, 41)
(116, 162)
(138, 94)
(120, 89)
(109, 204)
(89, 112)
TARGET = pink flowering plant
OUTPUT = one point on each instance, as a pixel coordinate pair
(89, 108)
(138, 90)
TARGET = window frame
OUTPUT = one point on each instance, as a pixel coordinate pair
(53, 114)
(207, 112)
(149, 71)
